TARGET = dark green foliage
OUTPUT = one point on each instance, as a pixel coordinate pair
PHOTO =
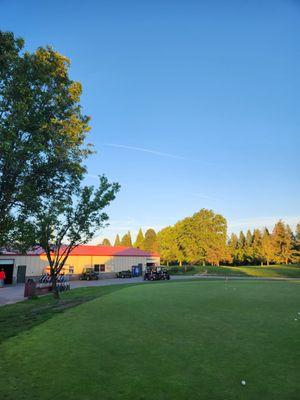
(139, 242)
(150, 241)
(117, 241)
(42, 132)
(106, 242)
(126, 240)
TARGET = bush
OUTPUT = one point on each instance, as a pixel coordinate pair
(173, 270)
(188, 268)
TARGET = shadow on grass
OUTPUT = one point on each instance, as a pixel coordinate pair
(22, 316)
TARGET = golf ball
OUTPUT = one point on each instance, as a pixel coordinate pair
(243, 383)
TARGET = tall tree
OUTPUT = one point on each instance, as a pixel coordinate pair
(296, 245)
(150, 241)
(282, 243)
(42, 129)
(249, 248)
(233, 246)
(126, 240)
(106, 242)
(117, 241)
(202, 237)
(267, 247)
(257, 252)
(241, 252)
(139, 240)
(167, 245)
(62, 223)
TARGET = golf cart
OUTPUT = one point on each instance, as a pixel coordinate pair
(124, 274)
(156, 274)
(88, 274)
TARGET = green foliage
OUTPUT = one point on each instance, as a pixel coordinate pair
(42, 130)
(62, 223)
(282, 243)
(200, 238)
(168, 245)
(150, 241)
(106, 242)
(126, 240)
(117, 241)
(138, 244)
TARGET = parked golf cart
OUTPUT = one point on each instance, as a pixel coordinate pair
(156, 274)
(88, 274)
(124, 274)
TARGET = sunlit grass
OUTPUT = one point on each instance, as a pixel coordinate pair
(274, 271)
(177, 340)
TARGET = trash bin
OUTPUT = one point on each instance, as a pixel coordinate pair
(30, 289)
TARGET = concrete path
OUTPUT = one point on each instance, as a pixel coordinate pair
(13, 294)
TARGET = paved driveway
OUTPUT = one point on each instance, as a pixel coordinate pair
(13, 294)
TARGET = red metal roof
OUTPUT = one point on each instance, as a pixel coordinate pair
(85, 250)
(109, 251)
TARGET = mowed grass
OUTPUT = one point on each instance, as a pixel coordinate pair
(273, 271)
(177, 340)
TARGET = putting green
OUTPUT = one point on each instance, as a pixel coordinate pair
(183, 340)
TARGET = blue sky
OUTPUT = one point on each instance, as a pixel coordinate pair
(193, 103)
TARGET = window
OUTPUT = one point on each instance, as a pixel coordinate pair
(99, 267)
(71, 270)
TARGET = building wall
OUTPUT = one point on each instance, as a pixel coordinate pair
(35, 265)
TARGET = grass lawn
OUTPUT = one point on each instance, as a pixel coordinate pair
(169, 340)
(273, 271)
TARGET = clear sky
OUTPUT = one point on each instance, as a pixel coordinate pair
(193, 103)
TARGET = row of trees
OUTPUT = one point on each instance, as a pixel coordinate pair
(281, 246)
(202, 238)
(147, 242)
(43, 201)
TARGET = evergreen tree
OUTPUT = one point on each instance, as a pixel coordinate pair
(233, 246)
(257, 251)
(297, 233)
(282, 243)
(126, 240)
(241, 250)
(248, 248)
(150, 241)
(296, 245)
(139, 240)
(117, 241)
(267, 247)
(106, 242)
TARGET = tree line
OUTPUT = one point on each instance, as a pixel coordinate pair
(202, 238)
(147, 242)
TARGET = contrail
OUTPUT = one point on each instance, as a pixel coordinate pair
(155, 152)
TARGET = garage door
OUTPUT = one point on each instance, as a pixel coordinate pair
(8, 266)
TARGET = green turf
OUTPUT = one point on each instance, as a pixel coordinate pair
(179, 340)
(274, 271)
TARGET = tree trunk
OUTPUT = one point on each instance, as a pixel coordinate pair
(54, 286)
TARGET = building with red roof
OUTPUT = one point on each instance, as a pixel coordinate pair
(105, 260)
